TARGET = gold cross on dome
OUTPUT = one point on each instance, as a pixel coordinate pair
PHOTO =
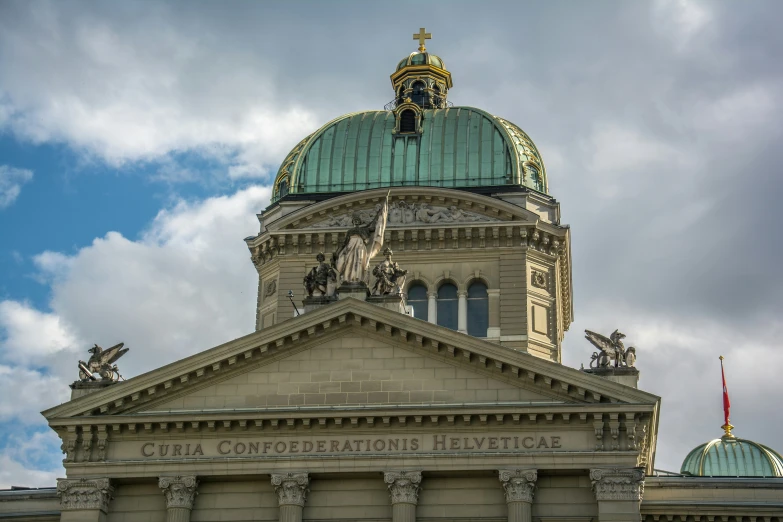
(421, 36)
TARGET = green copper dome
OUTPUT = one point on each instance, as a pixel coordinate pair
(421, 58)
(732, 457)
(454, 147)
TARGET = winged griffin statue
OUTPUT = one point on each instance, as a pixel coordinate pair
(100, 366)
(612, 351)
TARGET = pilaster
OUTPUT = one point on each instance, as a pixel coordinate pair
(520, 487)
(493, 296)
(180, 493)
(85, 500)
(432, 307)
(618, 492)
(404, 493)
(291, 489)
(462, 312)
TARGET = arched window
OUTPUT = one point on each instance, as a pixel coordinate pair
(437, 98)
(417, 298)
(408, 121)
(447, 306)
(536, 178)
(417, 96)
(478, 309)
(282, 187)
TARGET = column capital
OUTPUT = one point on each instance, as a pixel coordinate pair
(519, 484)
(291, 488)
(462, 293)
(403, 486)
(432, 295)
(618, 483)
(180, 491)
(78, 494)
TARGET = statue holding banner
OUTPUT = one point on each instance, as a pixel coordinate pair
(362, 242)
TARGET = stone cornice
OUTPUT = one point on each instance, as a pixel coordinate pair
(180, 491)
(618, 483)
(80, 494)
(519, 485)
(291, 488)
(403, 486)
(252, 350)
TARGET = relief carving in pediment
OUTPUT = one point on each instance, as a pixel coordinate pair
(406, 213)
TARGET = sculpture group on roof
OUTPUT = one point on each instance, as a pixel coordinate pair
(613, 353)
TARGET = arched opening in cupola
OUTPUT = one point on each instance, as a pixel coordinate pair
(417, 94)
(408, 121)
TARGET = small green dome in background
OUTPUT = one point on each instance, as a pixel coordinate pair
(732, 457)
(421, 58)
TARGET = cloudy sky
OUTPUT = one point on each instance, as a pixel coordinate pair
(138, 140)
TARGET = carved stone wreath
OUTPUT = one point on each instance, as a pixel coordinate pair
(538, 279)
(270, 288)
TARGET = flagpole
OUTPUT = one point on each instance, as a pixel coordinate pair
(727, 427)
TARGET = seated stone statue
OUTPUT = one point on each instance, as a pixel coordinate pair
(321, 280)
(390, 278)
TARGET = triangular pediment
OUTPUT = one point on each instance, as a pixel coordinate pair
(353, 336)
(353, 369)
(418, 207)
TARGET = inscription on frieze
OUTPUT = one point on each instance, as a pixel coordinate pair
(272, 446)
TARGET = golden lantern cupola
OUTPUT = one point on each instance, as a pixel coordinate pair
(421, 78)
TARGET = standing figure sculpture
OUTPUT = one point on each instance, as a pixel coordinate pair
(390, 278)
(321, 280)
(101, 365)
(613, 352)
(362, 242)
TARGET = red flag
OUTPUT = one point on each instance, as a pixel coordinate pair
(726, 401)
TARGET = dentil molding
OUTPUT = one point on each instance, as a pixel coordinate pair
(403, 486)
(519, 484)
(291, 488)
(77, 494)
(618, 483)
(180, 491)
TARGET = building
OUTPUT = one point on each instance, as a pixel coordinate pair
(447, 402)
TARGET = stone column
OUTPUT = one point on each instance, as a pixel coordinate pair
(180, 493)
(404, 492)
(462, 312)
(494, 313)
(432, 307)
(619, 493)
(520, 486)
(84, 500)
(291, 489)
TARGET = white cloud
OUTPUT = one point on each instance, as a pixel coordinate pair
(681, 20)
(30, 335)
(185, 285)
(26, 392)
(141, 89)
(11, 181)
(15, 473)
(20, 458)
